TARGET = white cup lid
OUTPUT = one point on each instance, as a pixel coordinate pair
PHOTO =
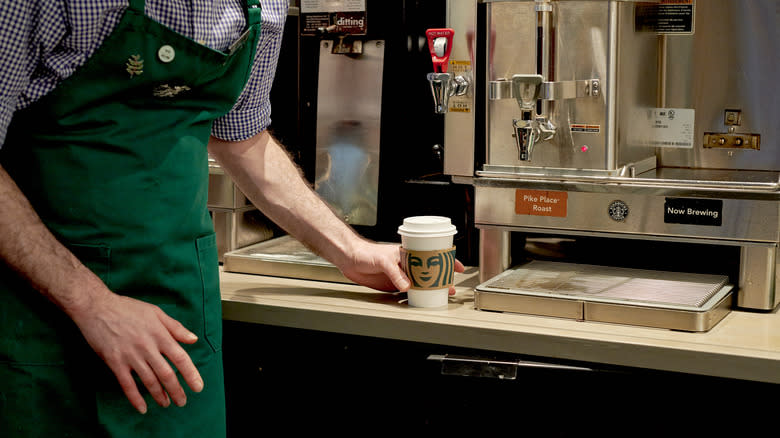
(427, 226)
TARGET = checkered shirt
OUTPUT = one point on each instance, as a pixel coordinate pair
(42, 42)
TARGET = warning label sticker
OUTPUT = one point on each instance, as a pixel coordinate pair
(581, 127)
(662, 127)
(665, 17)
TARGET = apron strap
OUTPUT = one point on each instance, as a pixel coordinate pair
(137, 5)
(253, 12)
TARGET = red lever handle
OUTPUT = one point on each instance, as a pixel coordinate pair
(440, 49)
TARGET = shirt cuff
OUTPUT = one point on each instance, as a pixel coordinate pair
(242, 124)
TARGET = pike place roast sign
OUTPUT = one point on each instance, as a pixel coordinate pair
(541, 203)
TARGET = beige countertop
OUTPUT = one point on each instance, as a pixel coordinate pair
(744, 345)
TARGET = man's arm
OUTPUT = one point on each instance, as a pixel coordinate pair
(266, 174)
(129, 335)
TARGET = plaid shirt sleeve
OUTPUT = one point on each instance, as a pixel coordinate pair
(16, 56)
(252, 112)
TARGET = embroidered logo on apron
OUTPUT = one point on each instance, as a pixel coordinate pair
(166, 90)
(135, 65)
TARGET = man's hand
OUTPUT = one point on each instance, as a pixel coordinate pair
(132, 336)
(378, 266)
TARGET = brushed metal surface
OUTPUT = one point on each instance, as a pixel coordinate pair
(607, 284)
(459, 125)
(586, 37)
(671, 300)
(731, 62)
(239, 227)
(527, 304)
(690, 321)
(223, 193)
(282, 257)
(758, 277)
(743, 220)
(349, 106)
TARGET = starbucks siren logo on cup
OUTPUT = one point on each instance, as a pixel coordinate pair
(428, 258)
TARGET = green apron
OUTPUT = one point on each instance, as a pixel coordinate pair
(114, 161)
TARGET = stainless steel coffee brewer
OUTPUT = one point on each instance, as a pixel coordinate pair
(647, 121)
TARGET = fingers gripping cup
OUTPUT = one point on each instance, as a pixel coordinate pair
(428, 258)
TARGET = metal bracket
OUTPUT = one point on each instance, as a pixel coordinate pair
(558, 90)
(456, 365)
(732, 141)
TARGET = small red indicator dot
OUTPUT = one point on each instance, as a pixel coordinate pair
(584, 148)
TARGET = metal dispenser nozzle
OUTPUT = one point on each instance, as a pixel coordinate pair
(443, 84)
(525, 89)
(531, 128)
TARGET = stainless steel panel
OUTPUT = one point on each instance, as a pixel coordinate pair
(743, 220)
(511, 43)
(587, 37)
(758, 277)
(237, 228)
(282, 257)
(459, 121)
(349, 104)
(684, 320)
(700, 321)
(673, 300)
(614, 285)
(494, 254)
(731, 62)
(223, 193)
(529, 305)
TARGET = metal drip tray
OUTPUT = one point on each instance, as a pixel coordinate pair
(672, 300)
(282, 257)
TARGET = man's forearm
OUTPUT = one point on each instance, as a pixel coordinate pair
(30, 249)
(266, 174)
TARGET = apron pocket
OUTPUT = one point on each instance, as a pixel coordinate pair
(212, 300)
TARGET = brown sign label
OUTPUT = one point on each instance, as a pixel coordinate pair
(429, 270)
(541, 203)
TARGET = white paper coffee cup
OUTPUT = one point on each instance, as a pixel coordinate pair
(428, 258)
